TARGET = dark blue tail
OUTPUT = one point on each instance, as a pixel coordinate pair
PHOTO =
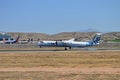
(17, 39)
(96, 39)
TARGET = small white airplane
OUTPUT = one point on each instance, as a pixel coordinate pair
(9, 40)
(71, 43)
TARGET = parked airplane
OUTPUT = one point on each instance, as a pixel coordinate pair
(9, 40)
(71, 43)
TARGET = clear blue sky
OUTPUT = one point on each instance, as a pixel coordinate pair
(54, 16)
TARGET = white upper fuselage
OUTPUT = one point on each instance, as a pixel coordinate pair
(46, 43)
(78, 44)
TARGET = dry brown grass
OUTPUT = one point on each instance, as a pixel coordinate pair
(55, 76)
(59, 65)
(61, 59)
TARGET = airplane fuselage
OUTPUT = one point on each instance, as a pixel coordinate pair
(71, 43)
(78, 44)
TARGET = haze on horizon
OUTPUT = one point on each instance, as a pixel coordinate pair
(54, 16)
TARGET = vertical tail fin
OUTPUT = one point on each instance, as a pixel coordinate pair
(17, 39)
(96, 38)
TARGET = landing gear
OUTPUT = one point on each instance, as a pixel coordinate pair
(65, 48)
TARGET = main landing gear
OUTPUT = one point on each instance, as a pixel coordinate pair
(66, 48)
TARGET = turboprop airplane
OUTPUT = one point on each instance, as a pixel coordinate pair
(9, 40)
(71, 43)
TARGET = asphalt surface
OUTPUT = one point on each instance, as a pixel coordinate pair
(61, 50)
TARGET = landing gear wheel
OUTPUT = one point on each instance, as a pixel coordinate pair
(65, 48)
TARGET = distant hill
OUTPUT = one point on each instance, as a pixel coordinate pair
(25, 36)
(81, 36)
(111, 36)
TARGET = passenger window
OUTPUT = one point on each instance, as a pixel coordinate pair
(11, 39)
(6, 39)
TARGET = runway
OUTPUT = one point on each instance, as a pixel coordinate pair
(60, 50)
